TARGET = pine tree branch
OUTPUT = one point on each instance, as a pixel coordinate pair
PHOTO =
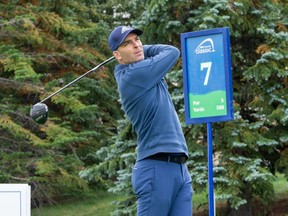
(24, 88)
(19, 179)
(9, 141)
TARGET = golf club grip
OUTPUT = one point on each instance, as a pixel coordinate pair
(80, 77)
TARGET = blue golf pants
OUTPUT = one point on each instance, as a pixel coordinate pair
(162, 188)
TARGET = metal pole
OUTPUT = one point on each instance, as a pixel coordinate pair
(210, 169)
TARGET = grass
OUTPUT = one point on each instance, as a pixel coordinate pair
(281, 186)
(101, 203)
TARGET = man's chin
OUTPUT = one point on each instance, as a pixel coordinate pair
(140, 57)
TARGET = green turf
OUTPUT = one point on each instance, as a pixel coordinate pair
(100, 204)
(281, 186)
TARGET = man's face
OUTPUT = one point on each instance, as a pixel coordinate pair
(130, 51)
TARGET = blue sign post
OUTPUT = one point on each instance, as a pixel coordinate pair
(207, 85)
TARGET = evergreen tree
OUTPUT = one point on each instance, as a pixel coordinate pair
(250, 149)
(117, 162)
(44, 45)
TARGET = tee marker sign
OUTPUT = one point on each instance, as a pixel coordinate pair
(207, 85)
(207, 76)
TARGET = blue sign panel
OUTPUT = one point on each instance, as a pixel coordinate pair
(207, 76)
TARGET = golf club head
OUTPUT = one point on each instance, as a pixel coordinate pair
(39, 113)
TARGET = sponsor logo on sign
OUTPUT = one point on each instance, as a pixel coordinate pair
(206, 46)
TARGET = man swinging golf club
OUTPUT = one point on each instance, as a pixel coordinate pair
(160, 177)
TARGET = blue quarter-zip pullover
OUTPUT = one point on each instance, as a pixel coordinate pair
(147, 103)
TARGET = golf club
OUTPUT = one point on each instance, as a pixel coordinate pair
(39, 111)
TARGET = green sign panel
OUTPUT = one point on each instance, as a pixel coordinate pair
(211, 104)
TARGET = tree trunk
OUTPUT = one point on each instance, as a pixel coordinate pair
(245, 209)
(20, 87)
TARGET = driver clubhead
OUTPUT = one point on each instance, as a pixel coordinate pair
(39, 113)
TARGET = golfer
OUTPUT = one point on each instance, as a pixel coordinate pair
(160, 177)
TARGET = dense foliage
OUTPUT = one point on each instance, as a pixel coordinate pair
(249, 150)
(87, 140)
(45, 45)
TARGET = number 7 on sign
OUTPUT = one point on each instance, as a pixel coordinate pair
(207, 65)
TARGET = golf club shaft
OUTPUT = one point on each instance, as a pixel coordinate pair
(80, 77)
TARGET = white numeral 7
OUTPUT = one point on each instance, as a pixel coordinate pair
(207, 65)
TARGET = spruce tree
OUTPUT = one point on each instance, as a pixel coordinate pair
(45, 45)
(253, 147)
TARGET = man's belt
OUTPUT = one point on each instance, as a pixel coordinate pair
(169, 157)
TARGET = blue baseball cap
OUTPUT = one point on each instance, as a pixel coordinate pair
(119, 34)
